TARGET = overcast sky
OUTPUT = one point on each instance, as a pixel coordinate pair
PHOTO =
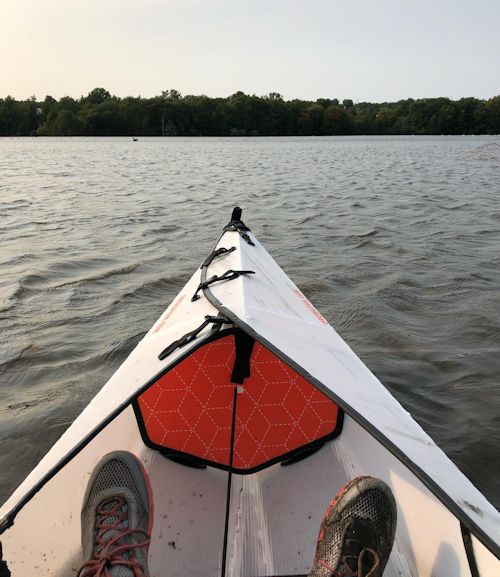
(367, 50)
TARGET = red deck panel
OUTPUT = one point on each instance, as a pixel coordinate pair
(278, 411)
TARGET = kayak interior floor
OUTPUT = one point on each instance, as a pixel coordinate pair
(275, 514)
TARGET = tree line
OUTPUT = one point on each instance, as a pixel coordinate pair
(171, 114)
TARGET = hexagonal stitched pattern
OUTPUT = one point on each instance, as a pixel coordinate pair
(189, 408)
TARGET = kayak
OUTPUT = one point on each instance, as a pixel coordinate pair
(249, 412)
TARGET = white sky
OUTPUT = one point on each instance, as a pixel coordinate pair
(371, 50)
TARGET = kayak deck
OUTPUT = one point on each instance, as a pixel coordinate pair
(275, 513)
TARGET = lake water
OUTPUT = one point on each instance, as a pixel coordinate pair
(395, 239)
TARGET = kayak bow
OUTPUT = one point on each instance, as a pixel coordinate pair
(249, 412)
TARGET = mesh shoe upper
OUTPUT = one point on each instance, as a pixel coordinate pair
(357, 533)
(115, 519)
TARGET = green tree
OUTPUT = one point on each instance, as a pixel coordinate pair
(493, 115)
(332, 120)
(98, 96)
(305, 124)
(66, 123)
(100, 113)
(316, 112)
(171, 95)
(10, 117)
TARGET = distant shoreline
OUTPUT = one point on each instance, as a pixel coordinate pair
(242, 115)
(260, 137)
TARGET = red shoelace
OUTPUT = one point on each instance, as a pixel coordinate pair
(345, 569)
(114, 551)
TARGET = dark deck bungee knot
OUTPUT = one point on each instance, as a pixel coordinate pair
(217, 321)
(236, 224)
(228, 275)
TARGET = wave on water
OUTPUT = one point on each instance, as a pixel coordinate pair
(9, 357)
(487, 151)
(49, 280)
(124, 270)
(452, 206)
(10, 291)
(306, 219)
(367, 234)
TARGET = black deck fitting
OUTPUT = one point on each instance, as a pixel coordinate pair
(236, 215)
(238, 225)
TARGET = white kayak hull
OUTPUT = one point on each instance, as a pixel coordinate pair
(445, 526)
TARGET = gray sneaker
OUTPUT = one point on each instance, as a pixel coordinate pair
(357, 532)
(116, 519)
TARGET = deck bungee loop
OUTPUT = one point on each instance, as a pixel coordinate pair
(228, 275)
(217, 323)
